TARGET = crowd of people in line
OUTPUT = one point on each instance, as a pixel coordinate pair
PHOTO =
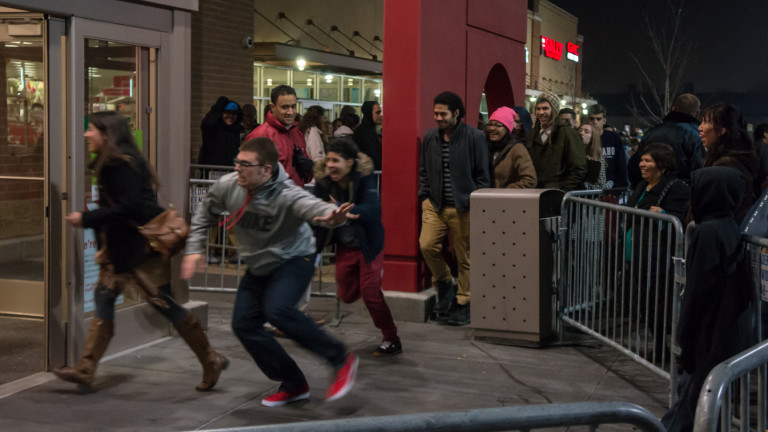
(709, 172)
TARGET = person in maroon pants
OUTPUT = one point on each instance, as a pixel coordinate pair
(346, 175)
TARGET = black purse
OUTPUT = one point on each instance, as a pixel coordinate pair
(303, 164)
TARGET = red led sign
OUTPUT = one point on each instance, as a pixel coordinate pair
(573, 51)
(551, 48)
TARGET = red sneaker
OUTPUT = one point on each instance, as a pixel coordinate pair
(285, 397)
(345, 379)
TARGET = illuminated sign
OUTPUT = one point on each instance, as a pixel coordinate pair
(554, 49)
(573, 52)
(551, 48)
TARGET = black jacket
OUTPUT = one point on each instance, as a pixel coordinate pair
(126, 201)
(716, 305)
(368, 227)
(468, 165)
(747, 163)
(366, 137)
(680, 131)
(221, 143)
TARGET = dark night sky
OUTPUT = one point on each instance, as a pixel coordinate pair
(731, 43)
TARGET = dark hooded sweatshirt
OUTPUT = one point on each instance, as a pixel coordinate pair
(715, 296)
(716, 309)
(221, 142)
(366, 137)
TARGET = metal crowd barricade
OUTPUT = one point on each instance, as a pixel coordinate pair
(620, 278)
(732, 390)
(734, 393)
(513, 418)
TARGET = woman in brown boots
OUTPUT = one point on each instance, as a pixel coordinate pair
(126, 201)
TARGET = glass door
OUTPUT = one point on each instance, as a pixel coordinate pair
(23, 206)
(117, 77)
(113, 68)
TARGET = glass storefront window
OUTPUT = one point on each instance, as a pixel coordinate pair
(372, 90)
(329, 87)
(257, 71)
(23, 183)
(305, 84)
(353, 90)
(272, 78)
(329, 90)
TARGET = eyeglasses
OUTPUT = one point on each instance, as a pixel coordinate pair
(246, 164)
(494, 125)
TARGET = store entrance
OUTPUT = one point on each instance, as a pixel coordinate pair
(22, 195)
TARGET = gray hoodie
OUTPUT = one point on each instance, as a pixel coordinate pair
(273, 227)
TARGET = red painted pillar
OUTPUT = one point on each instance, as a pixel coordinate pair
(427, 45)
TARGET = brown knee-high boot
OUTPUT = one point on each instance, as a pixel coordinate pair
(96, 343)
(213, 363)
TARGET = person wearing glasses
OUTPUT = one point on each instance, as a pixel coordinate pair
(270, 216)
(511, 165)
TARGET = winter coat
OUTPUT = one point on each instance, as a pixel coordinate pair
(674, 203)
(285, 138)
(512, 166)
(561, 162)
(368, 227)
(274, 227)
(468, 162)
(315, 145)
(126, 201)
(747, 164)
(366, 137)
(716, 310)
(221, 142)
(342, 131)
(679, 131)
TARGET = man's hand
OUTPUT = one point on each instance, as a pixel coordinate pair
(190, 264)
(75, 219)
(336, 217)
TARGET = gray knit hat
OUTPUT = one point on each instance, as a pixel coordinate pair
(551, 99)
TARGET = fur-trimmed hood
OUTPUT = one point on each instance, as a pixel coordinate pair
(363, 165)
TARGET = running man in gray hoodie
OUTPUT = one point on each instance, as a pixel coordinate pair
(270, 216)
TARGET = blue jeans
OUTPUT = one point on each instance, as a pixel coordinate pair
(273, 298)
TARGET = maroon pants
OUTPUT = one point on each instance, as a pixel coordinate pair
(357, 278)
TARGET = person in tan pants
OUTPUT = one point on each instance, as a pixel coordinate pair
(453, 163)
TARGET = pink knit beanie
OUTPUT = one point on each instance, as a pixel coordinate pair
(506, 116)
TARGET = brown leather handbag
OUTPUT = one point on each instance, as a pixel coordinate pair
(166, 233)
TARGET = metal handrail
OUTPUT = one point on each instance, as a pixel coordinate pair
(522, 418)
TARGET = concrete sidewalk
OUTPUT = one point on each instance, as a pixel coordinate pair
(441, 369)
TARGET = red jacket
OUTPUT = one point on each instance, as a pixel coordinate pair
(284, 139)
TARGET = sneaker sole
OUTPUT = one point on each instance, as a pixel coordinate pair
(297, 398)
(348, 386)
(381, 354)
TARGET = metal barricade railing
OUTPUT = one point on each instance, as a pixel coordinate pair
(726, 398)
(522, 418)
(620, 278)
(734, 393)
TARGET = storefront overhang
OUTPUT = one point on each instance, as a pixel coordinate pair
(279, 54)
